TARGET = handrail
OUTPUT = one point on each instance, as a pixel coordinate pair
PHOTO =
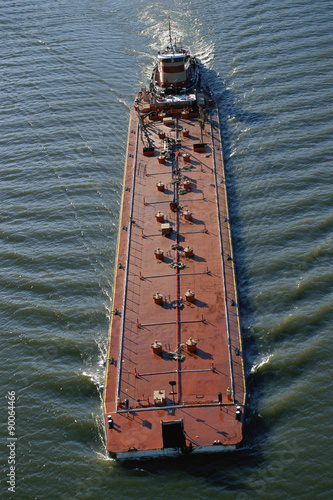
(223, 268)
(121, 346)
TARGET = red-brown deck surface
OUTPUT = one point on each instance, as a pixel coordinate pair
(134, 372)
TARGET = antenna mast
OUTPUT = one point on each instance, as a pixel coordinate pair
(170, 32)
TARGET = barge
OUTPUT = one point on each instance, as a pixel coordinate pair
(175, 379)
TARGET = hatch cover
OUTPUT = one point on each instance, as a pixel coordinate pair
(173, 434)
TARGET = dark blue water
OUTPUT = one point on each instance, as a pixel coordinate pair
(69, 75)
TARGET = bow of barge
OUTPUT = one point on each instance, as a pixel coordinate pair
(174, 378)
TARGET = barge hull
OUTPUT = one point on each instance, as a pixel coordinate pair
(175, 377)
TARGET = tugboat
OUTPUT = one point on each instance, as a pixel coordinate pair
(176, 70)
(175, 379)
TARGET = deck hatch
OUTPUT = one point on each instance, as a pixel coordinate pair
(173, 434)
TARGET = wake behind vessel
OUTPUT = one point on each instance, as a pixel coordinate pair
(175, 378)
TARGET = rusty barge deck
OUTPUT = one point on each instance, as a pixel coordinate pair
(175, 378)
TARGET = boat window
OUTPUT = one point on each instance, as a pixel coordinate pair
(172, 59)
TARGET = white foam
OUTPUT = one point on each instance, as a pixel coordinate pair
(263, 362)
